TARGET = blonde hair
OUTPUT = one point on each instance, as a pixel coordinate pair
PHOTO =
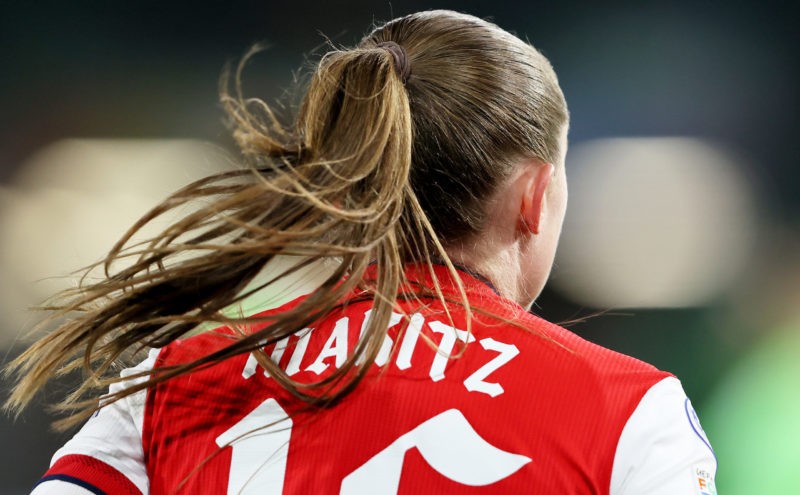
(384, 164)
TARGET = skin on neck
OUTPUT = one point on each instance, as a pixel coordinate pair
(517, 247)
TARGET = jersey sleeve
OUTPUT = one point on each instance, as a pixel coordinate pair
(662, 449)
(106, 455)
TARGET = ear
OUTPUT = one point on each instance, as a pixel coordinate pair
(533, 196)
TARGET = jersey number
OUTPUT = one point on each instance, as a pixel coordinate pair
(447, 442)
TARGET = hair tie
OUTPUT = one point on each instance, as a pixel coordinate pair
(400, 59)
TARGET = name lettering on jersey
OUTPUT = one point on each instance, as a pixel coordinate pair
(410, 338)
(476, 383)
(386, 348)
(449, 335)
(336, 348)
(277, 354)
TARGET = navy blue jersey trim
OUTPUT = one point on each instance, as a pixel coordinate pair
(687, 406)
(469, 271)
(74, 481)
(476, 276)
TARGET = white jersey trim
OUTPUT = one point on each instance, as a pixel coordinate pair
(662, 449)
(114, 434)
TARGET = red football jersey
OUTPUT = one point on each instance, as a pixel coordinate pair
(523, 410)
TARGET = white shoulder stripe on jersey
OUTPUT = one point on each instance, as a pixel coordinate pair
(660, 448)
(114, 434)
(135, 403)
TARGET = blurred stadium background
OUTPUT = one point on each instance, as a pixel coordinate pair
(684, 213)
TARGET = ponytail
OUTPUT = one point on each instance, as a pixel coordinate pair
(334, 186)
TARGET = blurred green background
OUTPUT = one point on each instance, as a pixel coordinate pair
(684, 204)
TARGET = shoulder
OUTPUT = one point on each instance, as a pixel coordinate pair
(191, 348)
(597, 364)
(106, 455)
(663, 448)
(660, 446)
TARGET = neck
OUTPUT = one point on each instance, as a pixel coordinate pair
(503, 268)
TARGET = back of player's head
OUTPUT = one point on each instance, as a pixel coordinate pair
(480, 99)
(425, 116)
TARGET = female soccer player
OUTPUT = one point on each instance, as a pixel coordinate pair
(424, 177)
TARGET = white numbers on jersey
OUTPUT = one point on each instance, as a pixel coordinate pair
(336, 348)
(450, 446)
(447, 442)
(266, 430)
